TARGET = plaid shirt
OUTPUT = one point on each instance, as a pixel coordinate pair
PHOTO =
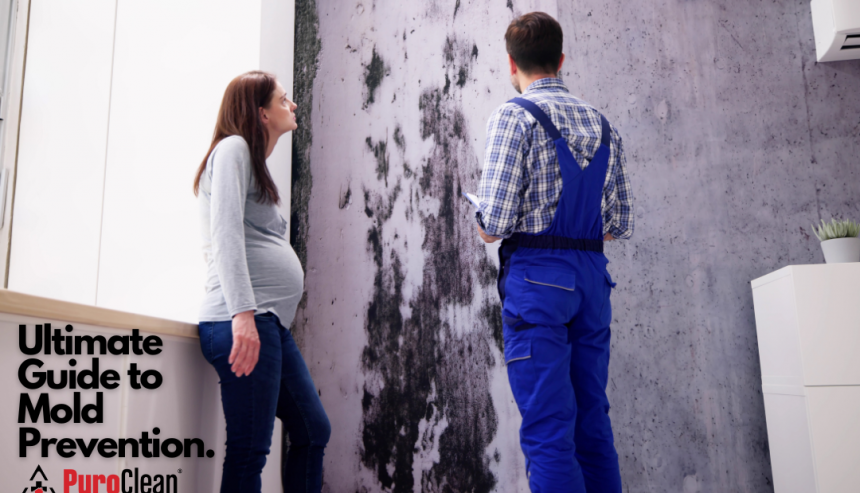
(521, 181)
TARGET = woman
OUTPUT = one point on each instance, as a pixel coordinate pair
(253, 286)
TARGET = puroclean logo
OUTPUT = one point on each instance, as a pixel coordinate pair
(39, 487)
(128, 481)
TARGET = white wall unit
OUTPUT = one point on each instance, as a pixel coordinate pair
(61, 155)
(837, 29)
(170, 72)
(808, 327)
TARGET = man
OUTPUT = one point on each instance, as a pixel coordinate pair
(555, 187)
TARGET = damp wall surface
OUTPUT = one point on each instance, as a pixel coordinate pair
(736, 141)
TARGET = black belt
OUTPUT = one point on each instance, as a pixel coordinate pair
(550, 242)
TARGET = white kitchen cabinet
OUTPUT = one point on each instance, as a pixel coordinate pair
(808, 327)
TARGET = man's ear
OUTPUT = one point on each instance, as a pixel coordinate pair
(514, 68)
(560, 63)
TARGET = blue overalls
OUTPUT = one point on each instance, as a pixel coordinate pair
(555, 291)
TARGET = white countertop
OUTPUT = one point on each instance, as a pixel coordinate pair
(16, 303)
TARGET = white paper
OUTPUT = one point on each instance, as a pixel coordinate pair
(473, 199)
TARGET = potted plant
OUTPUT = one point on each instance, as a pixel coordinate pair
(839, 241)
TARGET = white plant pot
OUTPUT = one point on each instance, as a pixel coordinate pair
(841, 250)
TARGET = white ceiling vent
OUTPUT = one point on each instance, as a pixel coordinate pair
(837, 29)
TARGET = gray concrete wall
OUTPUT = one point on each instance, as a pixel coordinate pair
(736, 141)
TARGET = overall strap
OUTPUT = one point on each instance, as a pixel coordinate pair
(604, 131)
(577, 222)
(539, 115)
(550, 127)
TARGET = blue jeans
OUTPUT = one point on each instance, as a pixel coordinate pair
(280, 385)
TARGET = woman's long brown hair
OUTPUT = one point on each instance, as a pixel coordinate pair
(240, 115)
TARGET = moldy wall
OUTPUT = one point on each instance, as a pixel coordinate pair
(736, 141)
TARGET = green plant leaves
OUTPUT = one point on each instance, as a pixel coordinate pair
(836, 229)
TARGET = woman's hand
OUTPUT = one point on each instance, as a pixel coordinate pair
(246, 344)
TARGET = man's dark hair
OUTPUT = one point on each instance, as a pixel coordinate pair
(534, 42)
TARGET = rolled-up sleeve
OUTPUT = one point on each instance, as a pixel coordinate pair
(231, 175)
(618, 213)
(502, 180)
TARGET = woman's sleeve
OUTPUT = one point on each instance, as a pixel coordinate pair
(231, 174)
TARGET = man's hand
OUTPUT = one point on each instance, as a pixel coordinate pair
(487, 238)
(608, 237)
(246, 344)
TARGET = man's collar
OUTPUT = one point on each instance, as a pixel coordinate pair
(546, 83)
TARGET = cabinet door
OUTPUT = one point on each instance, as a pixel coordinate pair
(835, 433)
(828, 314)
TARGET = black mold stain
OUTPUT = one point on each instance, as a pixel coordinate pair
(510, 5)
(377, 206)
(452, 272)
(380, 152)
(456, 8)
(398, 138)
(381, 434)
(373, 75)
(461, 77)
(374, 244)
(367, 210)
(458, 60)
(366, 400)
(491, 314)
(491, 309)
(459, 125)
(429, 105)
(419, 367)
(345, 199)
(487, 273)
(306, 63)
(425, 179)
(448, 50)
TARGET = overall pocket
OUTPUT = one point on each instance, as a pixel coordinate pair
(608, 278)
(518, 346)
(544, 295)
(547, 276)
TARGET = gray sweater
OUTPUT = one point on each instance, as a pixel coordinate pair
(251, 265)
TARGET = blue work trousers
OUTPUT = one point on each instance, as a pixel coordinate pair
(558, 374)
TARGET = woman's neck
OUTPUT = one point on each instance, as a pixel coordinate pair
(273, 139)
